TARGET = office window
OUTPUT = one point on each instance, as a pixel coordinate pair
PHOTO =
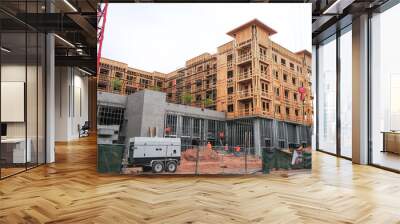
(327, 96)
(385, 88)
(346, 94)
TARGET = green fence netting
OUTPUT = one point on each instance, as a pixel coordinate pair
(275, 158)
(109, 158)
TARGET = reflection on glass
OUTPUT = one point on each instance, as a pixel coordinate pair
(386, 89)
(14, 153)
(346, 94)
(31, 97)
(327, 96)
(22, 91)
(41, 99)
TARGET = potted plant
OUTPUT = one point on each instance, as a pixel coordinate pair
(117, 84)
(186, 98)
(207, 102)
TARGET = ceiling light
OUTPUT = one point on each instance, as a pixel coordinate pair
(338, 6)
(64, 40)
(70, 5)
(5, 50)
(84, 71)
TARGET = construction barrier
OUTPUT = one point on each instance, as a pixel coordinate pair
(109, 158)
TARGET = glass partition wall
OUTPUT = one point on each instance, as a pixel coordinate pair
(22, 98)
(334, 89)
(385, 89)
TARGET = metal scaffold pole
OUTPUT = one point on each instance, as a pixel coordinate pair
(101, 24)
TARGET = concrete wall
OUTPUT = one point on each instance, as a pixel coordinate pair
(111, 99)
(195, 111)
(144, 110)
(107, 134)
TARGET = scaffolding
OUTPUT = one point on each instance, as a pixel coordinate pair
(237, 133)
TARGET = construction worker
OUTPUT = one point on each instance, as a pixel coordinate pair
(237, 148)
(209, 146)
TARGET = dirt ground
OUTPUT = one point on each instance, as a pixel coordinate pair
(218, 162)
(215, 162)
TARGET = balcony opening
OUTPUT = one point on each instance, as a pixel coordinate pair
(229, 74)
(283, 62)
(230, 108)
(278, 109)
(230, 90)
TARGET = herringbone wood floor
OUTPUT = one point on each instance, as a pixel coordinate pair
(70, 191)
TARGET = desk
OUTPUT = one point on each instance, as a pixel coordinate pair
(391, 142)
(13, 150)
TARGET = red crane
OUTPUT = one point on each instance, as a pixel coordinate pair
(101, 24)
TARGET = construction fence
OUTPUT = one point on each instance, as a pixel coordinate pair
(198, 160)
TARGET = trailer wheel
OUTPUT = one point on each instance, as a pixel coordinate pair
(171, 166)
(157, 167)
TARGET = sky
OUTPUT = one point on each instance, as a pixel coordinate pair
(162, 37)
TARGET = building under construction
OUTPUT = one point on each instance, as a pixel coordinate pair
(261, 88)
(147, 113)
